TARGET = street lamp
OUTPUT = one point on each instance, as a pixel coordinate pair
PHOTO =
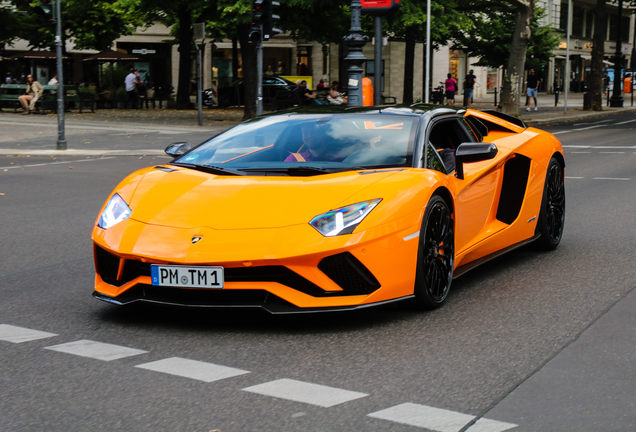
(617, 97)
(355, 42)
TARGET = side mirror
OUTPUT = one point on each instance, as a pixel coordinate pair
(178, 149)
(472, 152)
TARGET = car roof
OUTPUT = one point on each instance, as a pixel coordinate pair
(416, 110)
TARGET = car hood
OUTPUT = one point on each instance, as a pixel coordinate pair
(186, 198)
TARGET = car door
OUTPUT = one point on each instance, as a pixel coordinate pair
(475, 194)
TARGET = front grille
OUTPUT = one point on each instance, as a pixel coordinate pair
(344, 269)
(194, 297)
(107, 265)
(349, 273)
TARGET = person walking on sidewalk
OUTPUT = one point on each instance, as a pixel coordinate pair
(131, 88)
(451, 88)
(532, 89)
(33, 92)
(469, 84)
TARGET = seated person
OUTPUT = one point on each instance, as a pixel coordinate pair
(335, 97)
(307, 97)
(313, 145)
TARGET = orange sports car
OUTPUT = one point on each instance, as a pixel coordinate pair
(330, 209)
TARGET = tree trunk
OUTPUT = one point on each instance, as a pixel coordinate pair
(185, 52)
(596, 89)
(248, 54)
(235, 62)
(513, 79)
(409, 62)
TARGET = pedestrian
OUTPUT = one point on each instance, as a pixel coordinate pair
(451, 88)
(532, 88)
(131, 89)
(307, 97)
(33, 92)
(469, 84)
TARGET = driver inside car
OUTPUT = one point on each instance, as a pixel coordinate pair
(313, 145)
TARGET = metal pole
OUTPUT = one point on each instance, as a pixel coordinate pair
(259, 75)
(355, 57)
(566, 81)
(377, 90)
(61, 139)
(427, 81)
(199, 89)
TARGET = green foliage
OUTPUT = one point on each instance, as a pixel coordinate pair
(91, 24)
(489, 38)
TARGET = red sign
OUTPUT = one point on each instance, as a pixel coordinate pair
(379, 7)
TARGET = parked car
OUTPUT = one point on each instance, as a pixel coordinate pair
(234, 94)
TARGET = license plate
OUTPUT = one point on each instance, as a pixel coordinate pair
(190, 277)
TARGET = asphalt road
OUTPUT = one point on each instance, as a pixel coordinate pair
(530, 341)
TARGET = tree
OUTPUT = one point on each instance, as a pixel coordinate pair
(489, 39)
(91, 25)
(595, 90)
(409, 24)
(521, 14)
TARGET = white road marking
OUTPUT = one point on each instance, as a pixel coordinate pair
(56, 163)
(120, 127)
(602, 152)
(611, 178)
(598, 122)
(198, 370)
(15, 334)
(299, 391)
(625, 122)
(96, 350)
(578, 178)
(580, 152)
(577, 130)
(599, 147)
(486, 425)
(437, 419)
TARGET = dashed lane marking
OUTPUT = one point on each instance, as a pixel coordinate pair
(299, 391)
(578, 178)
(198, 370)
(56, 163)
(611, 178)
(602, 152)
(437, 419)
(96, 350)
(590, 124)
(431, 418)
(14, 334)
(625, 122)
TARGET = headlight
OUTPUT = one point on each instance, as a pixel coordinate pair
(116, 211)
(343, 220)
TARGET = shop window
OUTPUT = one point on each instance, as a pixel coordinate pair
(589, 24)
(577, 21)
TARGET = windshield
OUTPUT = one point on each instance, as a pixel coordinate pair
(327, 143)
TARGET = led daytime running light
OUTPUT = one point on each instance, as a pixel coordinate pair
(343, 220)
(116, 211)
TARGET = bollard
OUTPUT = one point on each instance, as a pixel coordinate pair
(495, 96)
(367, 92)
(556, 96)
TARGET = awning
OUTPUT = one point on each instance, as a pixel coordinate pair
(608, 63)
(111, 56)
(40, 55)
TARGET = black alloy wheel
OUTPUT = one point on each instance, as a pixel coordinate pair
(552, 215)
(436, 255)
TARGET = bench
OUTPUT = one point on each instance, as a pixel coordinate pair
(283, 99)
(11, 93)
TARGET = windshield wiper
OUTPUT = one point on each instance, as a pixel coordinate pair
(208, 169)
(295, 170)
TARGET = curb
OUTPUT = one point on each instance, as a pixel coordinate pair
(81, 152)
(576, 117)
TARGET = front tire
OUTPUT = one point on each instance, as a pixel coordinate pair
(552, 214)
(435, 255)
